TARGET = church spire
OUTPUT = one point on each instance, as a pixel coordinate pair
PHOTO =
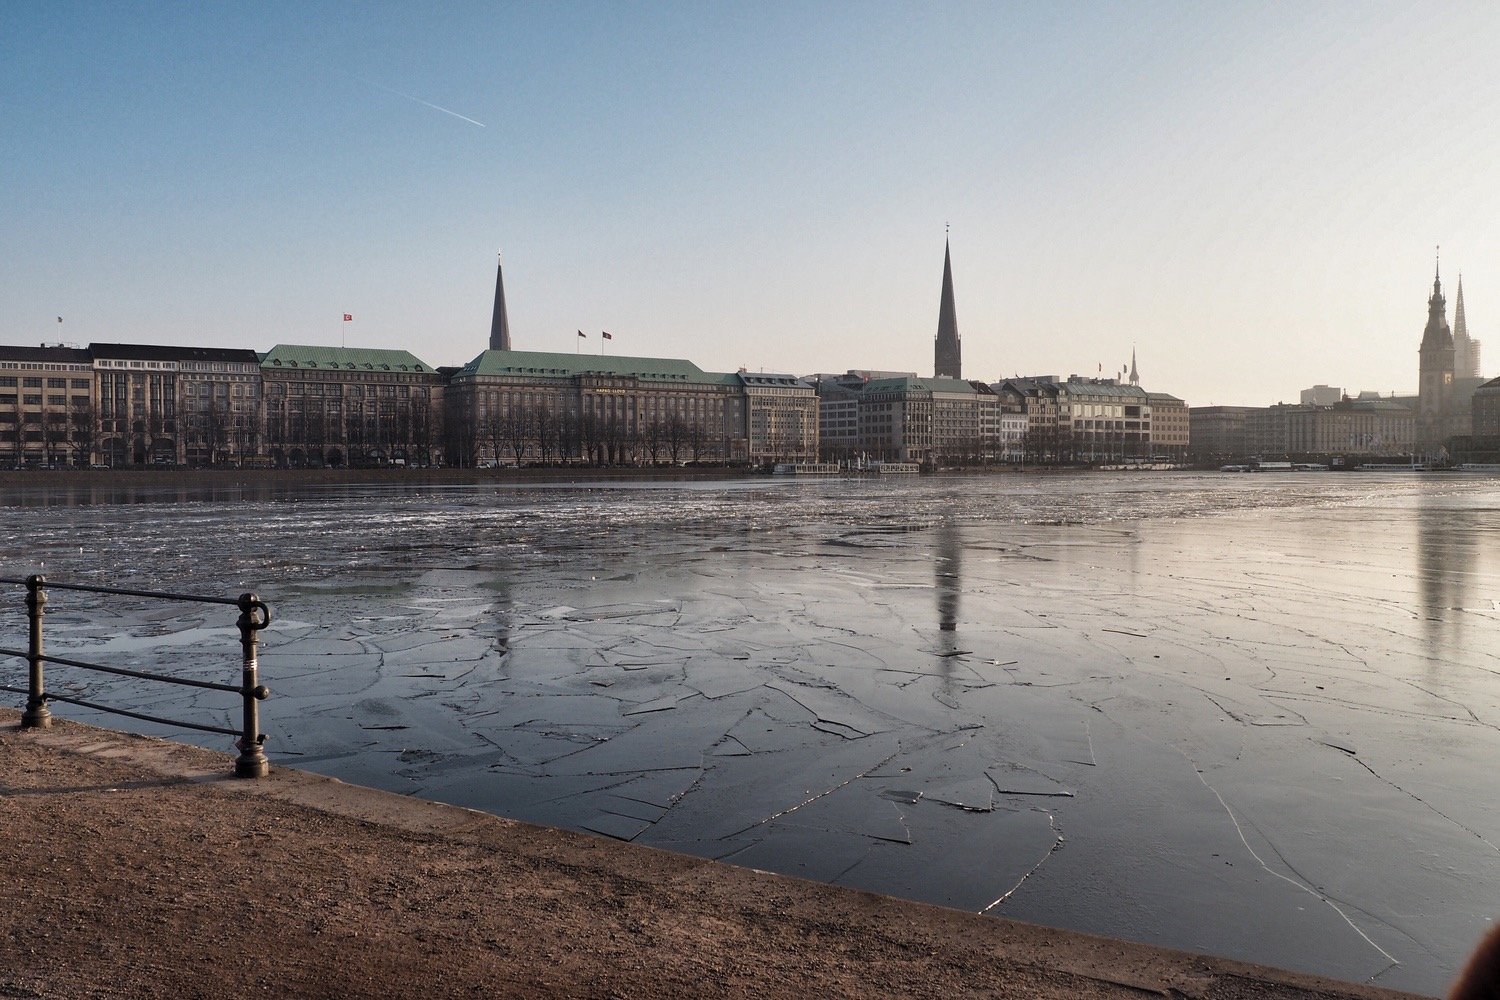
(947, 356)
(1465, 349)
(1135, 376)
(1460, 325)
(500, 322)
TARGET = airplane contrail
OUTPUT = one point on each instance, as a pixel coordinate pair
(409, 97)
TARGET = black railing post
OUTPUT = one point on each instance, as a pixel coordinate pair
(252, 762)
(37, 715)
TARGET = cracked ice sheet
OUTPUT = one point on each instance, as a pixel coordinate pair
(1154, 628)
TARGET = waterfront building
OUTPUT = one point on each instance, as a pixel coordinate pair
(838, 415)
(947, 349)
(928, 420)
(335, 406)
(1368, 426)
(781, 418)
(1170, 430)
(46, 406)
(1486, 412)
(1011, 436)
(1036, 399)
(159, 404)
(1219, 434)
(519, 407)
(1435, 388)
(220, 412)
(1100, 420)
(1349, 427)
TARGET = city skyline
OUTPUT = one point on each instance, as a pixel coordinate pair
(1248, 201)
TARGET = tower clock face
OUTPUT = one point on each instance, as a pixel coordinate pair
(1447, 378)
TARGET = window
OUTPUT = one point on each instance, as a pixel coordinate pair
(80, 383)
(33, 400)
(57, 383)
(57, 400)
(31, 383)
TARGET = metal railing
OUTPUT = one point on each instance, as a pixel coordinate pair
(254, 616)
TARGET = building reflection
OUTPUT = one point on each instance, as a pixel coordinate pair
(948, 573)
(1447, 554)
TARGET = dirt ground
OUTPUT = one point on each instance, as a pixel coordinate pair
(137, 868)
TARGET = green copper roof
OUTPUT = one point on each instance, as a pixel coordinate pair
(343, 358)
(543, 364)
(919, 385)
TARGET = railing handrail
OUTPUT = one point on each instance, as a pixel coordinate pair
(255, 615)
(162, 594)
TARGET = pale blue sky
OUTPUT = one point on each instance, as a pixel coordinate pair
(1248, 194)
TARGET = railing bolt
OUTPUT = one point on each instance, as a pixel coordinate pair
(251, 762)
(37, 715)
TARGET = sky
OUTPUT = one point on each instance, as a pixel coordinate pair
(1246, 195)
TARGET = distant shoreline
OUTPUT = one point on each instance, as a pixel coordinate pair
(145, 476)
(177, 477)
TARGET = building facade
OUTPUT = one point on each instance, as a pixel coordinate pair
(1219, 434)
(347, 406)
(781, 419)
(1486, 412)
(47, 412)
(520, 407)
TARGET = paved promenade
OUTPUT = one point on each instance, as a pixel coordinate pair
(136, 868)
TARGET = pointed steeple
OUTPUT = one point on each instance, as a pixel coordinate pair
(1465, 350)
(500, 322)
(1460, 327)
(947, 355)
(1437, 336)
(1135, 376)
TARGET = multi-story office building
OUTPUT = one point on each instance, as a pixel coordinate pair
(516, 407)
(1170, 428)
(1101, 420)
(46, 406)
(1486, 411)
(334, 406)
(781, 418)
(928, 420)
(1219, 433)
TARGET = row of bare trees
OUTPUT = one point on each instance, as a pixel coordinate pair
(383, 429)
(519, 434)
(65, 436)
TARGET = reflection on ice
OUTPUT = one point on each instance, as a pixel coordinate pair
(1209, 712)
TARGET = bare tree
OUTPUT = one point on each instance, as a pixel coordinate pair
(676, 434)
(654, 437)
(544, 424)
(588, 436)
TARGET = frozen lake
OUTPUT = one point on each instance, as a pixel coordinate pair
(1248, 715)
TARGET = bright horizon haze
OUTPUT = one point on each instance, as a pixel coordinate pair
(1248, 195)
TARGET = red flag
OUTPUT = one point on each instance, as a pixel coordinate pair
(348, 318)
(583, 335)
(607, 336)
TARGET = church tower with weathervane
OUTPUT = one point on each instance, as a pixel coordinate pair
(500, 321)
(1435, 368)
(947, 359)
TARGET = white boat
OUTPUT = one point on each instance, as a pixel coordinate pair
(806, 469)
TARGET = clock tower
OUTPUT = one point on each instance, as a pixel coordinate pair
(1435, 368)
